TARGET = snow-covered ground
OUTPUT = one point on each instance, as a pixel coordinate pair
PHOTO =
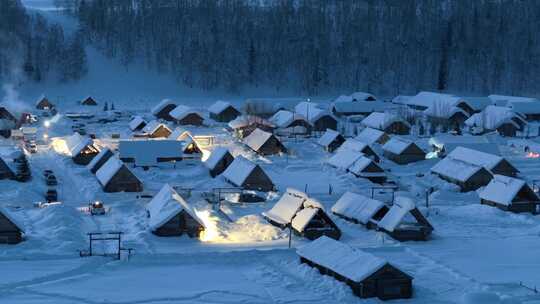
(477, 254)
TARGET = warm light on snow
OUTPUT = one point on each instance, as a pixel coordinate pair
(211, 232)
(60, 146)
(532, 155)
(205, 155)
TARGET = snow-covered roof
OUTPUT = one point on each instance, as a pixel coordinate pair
(216, 155)
(450, 142)
(353, 145)
(284, 118)
(444, 112)
(136, 122)
(76, 143)
(146, 152)
(402, 206)
(310, 110)
(361, 106)
(328, 137)
(504, 100)
(246, 120)
(108, 170)
(161, 105)
(343, 98)
(98, 157)
(478, 103)
(303, 217)
(370, 135)
(363, 96)
(345, 158)
(432, 99)
(473, 157)
(256, 139)
(493, 116)
(455, 169)
(181, 111)
(353, 264)
(360, 165)
(356, 206)
(397, 145)
(14, 220)
(167, 204)
(502, 189)
(180, 133)
(381, 121)
(152, 127)
(239, 170)
(219, 106)
(286, 207)
(532, 107)
(401, 99)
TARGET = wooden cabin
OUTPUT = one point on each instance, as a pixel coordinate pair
(467, 176)
(99, 160)
(313, 223)
(290, 123)
(81, 149)
(368, 276)
(372, 136)
(365, 167)
(170, 215)
(264, 143)
(219, 160)
(242, 126)
(285, 209)
(358, 146)
(89, 101)
(114, 176)
(493, 163)
(184, 115)
(163, 108)
(154, 129)
(320, 119)
(360, 209)
(331, 140)
(11, 231)
(248, 175)
(222, 111)
(402, 151)
(149, 153)
(137, 123)
(404, 222)
(388, 123)
(510, 194)
(44, 104)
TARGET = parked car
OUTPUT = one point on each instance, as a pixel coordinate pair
(96, 208)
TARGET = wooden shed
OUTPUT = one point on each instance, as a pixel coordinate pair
(223, 111)
(365, 167)
(248, 175)
(372, 136)
(89, 101)
(81, 149)
(242, 126)
(218, 161)
(137, 123)
(389, 123)
(264, 143)
(11, 231)
(368, 276)
(510, 194)
(170, 215)
(467, 176)
(155, 129)
(402, 151)
(44, 104)
(285, 209)
(290, 123)
(331, 140)
(360, 209)
(163, 108)
(404, 222)
(99, 160)
(320, 119)
(358, 146)
(184, 115)
(493, 163)
(313, 222)
(114, 176)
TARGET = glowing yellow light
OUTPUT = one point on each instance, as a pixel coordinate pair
(205, 155)
(45, 136)
(210, 232)
(60, 146)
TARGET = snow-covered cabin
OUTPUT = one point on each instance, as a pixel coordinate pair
(313, 222)
(359, 107)
(438, 102)
(530, 110)
(248, 175)
(81, 149)
(358, 146)
(170, 215)
(365, 167)
(467, 176)
(505, 100)
(137, 123)
(89, 101)
(190, 144)
(478, 104)
(11, 230)
(264, 143)
(163, 108)
(155, 129)
(319, 118)
(242, 126)
(219, 160)
(493, 163)
(495, 118)
(404, 222)
(449, 116)
(443, 144)
(403, 151)
(289, 123)
(286, 207)
(510, 194)
(368, 276)
(148, 153)
(44, 103)
(389, 123)
(344, 159)
(114, 176)
(359, 209)
(371, 136)
(363, 96)
(331, 140)
(184, 115)
(99, 160)
(223, 111)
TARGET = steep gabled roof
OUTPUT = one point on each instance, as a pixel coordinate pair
(220, 106)
(136, 122)
(181, 112)
(286, 207)
(109, 170)
(381, 121)
(370, 135)
(328, 137)
(161, 105)
(358, 207)
(503, 190)
(391, 220)
(257, 139)
(216, 156)
(239, 170)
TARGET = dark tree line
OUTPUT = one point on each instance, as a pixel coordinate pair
(381, 46)
(32, 47)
